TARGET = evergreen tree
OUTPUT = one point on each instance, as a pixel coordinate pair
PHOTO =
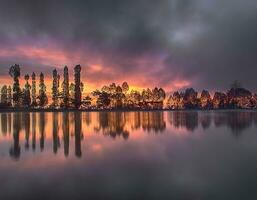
(26, 92)
(33, 90)
(65, 87)
(77, 81)
(43, 100)
(14, 72)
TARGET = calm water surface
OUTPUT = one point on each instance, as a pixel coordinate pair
(129, 155)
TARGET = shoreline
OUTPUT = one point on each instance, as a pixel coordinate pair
(116, 110)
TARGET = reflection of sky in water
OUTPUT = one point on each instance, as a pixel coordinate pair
(180, 155)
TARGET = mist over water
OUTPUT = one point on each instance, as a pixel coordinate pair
(128, 155)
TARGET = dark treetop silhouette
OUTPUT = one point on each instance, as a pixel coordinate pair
(114, 96)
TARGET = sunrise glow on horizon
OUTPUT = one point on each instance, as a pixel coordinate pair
(45, 59)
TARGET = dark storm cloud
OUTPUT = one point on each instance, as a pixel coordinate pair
(225, 49)
(210, 43)
(108, 24)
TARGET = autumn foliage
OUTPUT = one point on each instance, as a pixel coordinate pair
(114, 96)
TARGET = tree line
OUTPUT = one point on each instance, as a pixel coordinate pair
(69, 95)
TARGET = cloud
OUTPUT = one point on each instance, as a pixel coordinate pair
(204, 43)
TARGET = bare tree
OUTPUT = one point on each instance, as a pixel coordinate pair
(236, 84)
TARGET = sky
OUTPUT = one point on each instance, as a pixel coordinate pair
(174, 44)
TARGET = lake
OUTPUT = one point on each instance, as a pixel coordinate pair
(128, 155)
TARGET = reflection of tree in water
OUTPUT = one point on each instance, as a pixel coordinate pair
(15, 148)
(9, 122)
(78, 134)
(112, 124)
(239, 121)
(179, 119)
(220, 119)
(86, 118)
(136, 121)
(66, 132)
(103, 120)
(153, 121)
(117, 123)
(4, 123)
(56, 140)
(34, 124)
(205, 120)
(254, 116)
(72, 121)
(42, 124)
(26, 125)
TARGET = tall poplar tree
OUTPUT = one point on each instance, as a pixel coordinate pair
(26, 92)
(65, 87)
(72, 92)
(33, 89)
(77, 81)
(14, 72)
(55, 87)
(43, 100)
